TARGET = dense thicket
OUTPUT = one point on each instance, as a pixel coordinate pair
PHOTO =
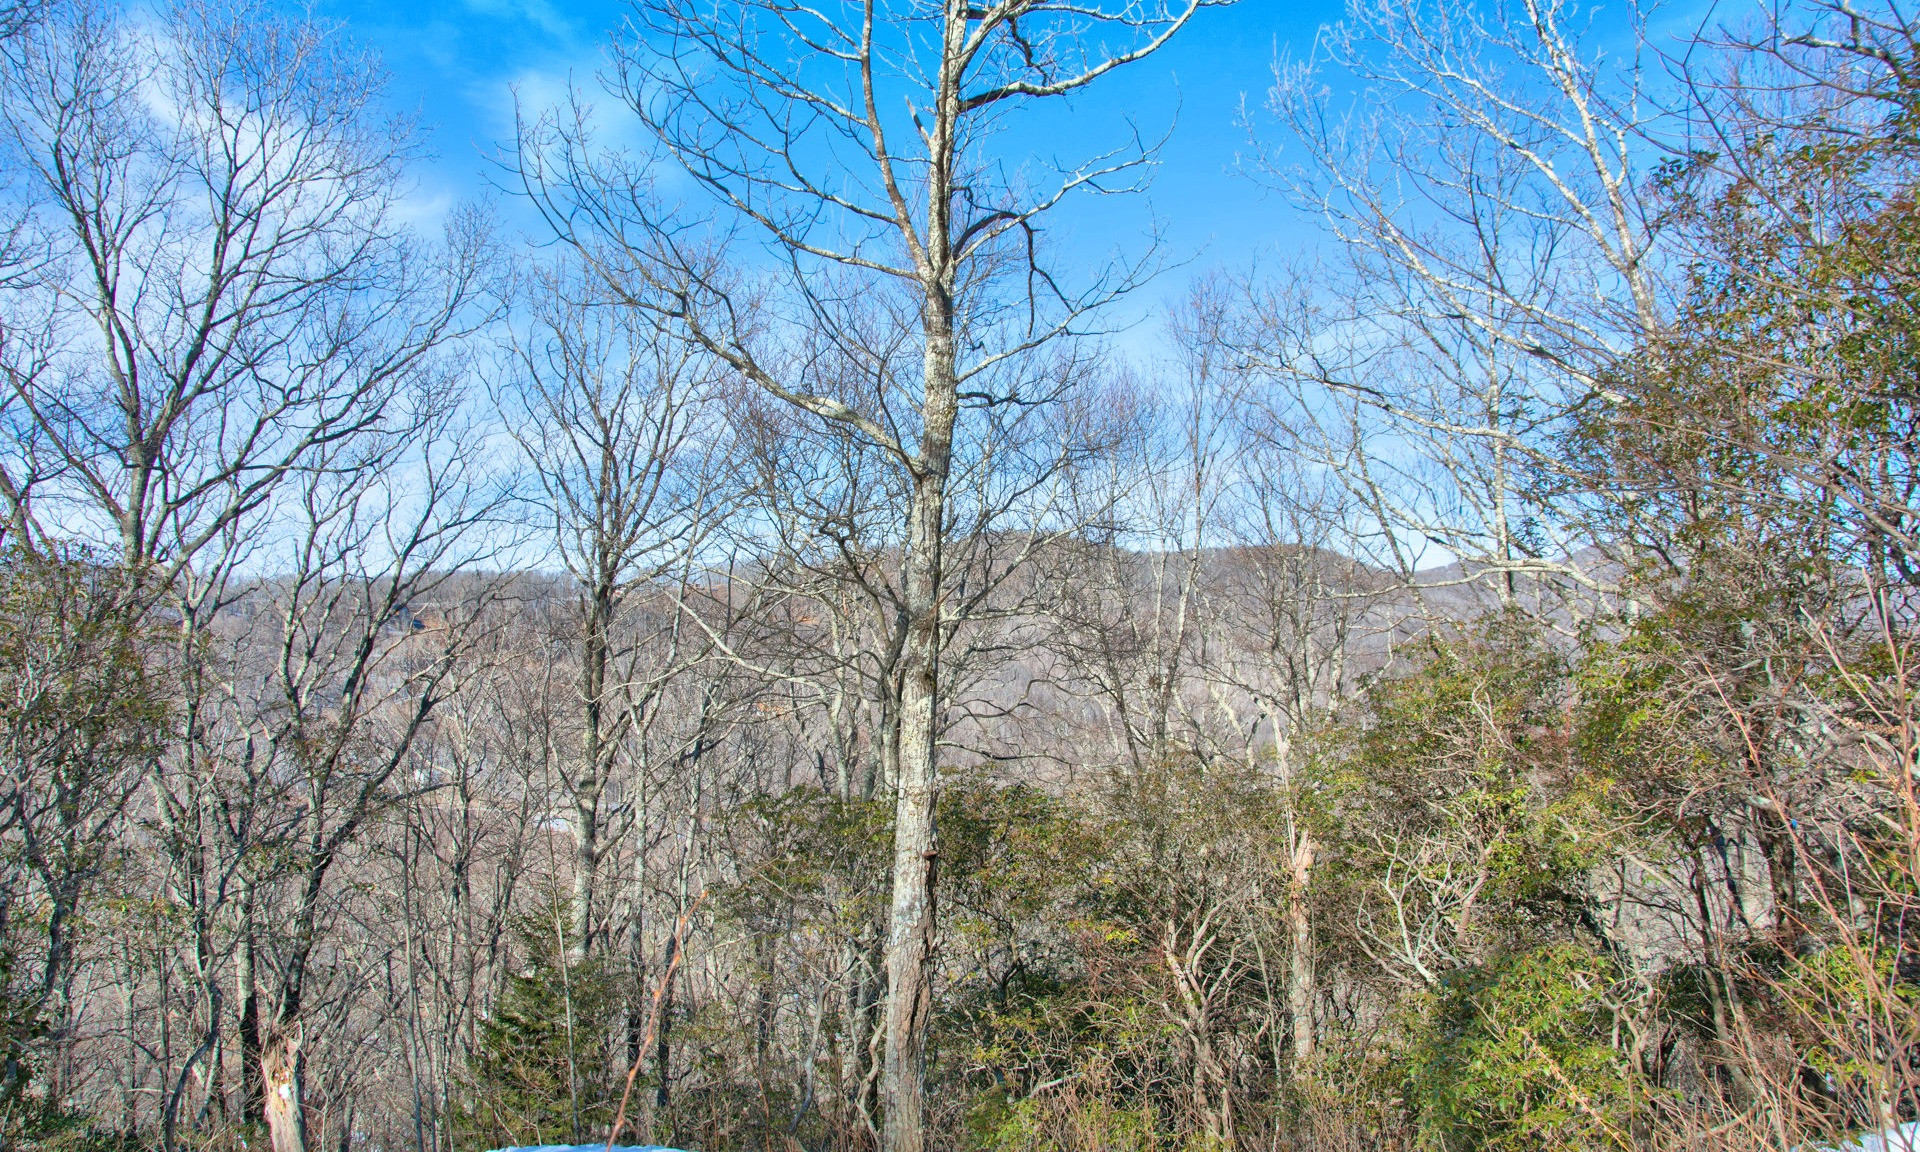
(755, 670)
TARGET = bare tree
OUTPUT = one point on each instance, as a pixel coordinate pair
(1484, 172)
(372, 621)
(223, 334)
(763, 107)
(223, 289)
(617, 422)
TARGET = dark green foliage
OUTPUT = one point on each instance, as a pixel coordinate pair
(1524, 1053)
(543, 1071)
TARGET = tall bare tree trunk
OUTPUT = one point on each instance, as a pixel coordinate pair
(590, 781)
(586, 862)
(909, 953)
(970, 76)
(915, 847)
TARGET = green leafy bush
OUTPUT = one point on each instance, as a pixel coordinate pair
(1518, 1054)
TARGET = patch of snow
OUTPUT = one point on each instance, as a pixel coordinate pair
(1905, 1138)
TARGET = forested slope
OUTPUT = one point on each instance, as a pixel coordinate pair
(756, 664)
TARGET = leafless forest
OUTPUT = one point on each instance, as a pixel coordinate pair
(732, 645)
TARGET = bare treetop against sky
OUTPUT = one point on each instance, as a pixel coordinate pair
(458, 62)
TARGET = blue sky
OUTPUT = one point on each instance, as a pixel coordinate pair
(456, 63)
